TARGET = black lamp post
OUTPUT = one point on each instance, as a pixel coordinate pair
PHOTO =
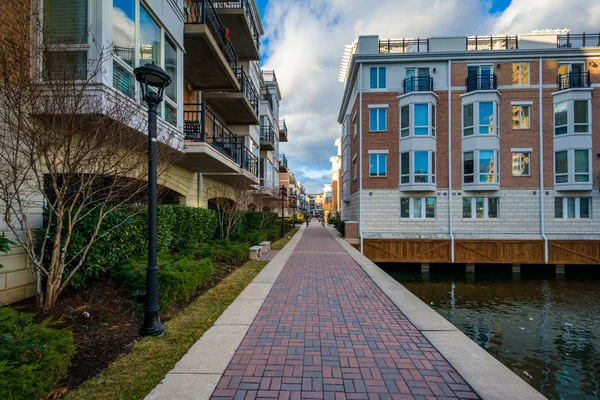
(152, 76)
(283, 191)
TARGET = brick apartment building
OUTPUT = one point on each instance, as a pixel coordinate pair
(473, 149)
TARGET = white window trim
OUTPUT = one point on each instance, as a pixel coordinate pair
(571, 119)
(431, 129)
(411, 209)
(521, 103)
(486, 210)
(571, 168)
(565, 208)
(521, 128)
(378, 122)
(476, 126)
(476, 171)
(375, 89)
(522, 151)
(378, 105)
(378, 152)
(521, 74)
(431, 174)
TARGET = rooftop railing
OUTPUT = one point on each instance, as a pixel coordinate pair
(574, 80)
(579, 40)
(244, 5)
(202, 125)
(203, 12)
(404, 45)
(418, 84)
(492, 42)
(481, 82)
(248, 89)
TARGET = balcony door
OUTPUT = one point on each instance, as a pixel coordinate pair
(479, 77)
(572, 74)
(417, 79)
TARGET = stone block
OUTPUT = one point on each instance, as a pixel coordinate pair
(18, 279)
(13, 295)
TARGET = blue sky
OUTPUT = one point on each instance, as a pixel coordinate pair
(304, 41)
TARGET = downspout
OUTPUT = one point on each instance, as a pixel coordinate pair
(360, 175)
(450, 160)
(541, 124)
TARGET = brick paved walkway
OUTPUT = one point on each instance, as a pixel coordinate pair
(326, 331)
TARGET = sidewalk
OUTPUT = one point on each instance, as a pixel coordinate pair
(316, 324)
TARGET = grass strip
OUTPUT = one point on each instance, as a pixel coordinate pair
(135, 374)
(280, 244)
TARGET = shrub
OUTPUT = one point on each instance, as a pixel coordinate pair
(32, 356)
(341, 227)
(223, 252)
(179, 276)
(5, 245)
(254, 238)
(332, 221)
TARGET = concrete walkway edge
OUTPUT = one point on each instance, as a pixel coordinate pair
(197, 374)
(489, 377)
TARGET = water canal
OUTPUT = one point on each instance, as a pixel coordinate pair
(545, 329)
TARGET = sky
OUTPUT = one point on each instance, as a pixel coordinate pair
(304, 41)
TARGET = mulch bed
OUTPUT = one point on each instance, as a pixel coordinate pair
(105, 320)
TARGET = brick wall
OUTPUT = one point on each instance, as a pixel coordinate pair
(12, 17)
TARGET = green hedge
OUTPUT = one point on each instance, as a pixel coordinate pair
(124, 235)
(32, 356)
(223, 251)
(179, 276)
(254, 238)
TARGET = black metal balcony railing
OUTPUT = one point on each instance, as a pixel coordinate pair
(418, 84)
(481, 82)
(248, 161)
(267, 134)
(574, 80)
(579, 40)
(268, 97)
(203, 12)
(203, 125)
(248, 89)
(283, 160)
(492, 42)
(404, 45)
(244, 5)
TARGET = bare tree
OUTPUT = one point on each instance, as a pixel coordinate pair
(231, 202)
(267, 206)
(69, 145)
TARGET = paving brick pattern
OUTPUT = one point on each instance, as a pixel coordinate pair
(326, 331)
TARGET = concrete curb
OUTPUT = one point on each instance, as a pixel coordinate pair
(197, 374)
(489, 377)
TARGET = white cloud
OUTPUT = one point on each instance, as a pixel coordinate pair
(306, 40)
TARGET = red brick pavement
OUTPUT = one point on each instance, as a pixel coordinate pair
(326, 331)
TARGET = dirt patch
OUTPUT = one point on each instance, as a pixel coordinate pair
(105, 319)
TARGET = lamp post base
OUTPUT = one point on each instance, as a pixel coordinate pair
(152, 327)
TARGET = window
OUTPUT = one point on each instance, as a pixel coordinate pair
(404, 121)
(354, 169)
(468, 120)
(405, 168)
(123, 16)
(484, 114)
(572, 117)
(572, 166)
(65, 28)
(572, 207)
(520, 117)
(417, 208)
(355, 126)
(378, 77)
(481, 207)
(377, 119)
(520, 73)
(421, 119)
(486, 171)
(417, 79)
(520, 163)
(423, 167)
(150, 39)
(417, 120)
(123, 80)
(171, 90)
(479, 77)
(378, 164)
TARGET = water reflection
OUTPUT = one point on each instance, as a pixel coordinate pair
(546, 330)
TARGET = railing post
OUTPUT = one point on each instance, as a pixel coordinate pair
(203, 18)
(583, 40)
(203, 123)
(403, 45)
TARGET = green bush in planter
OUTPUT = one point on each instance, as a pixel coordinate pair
(179, 276)
(32, 356)
(223, 252)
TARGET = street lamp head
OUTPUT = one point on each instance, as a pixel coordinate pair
(283, 191)
(152, 76)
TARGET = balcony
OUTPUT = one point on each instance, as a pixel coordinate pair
(481, 82)
(404, 46)
(574, 80)
(238, 16)
(210, 146)
(578, 40)
(492, 43)
(267, 137)
(418, 84)
(283, 163)
(210, 62)
(283, 132)
(268, 97)
(239, 107)
(248, 163)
